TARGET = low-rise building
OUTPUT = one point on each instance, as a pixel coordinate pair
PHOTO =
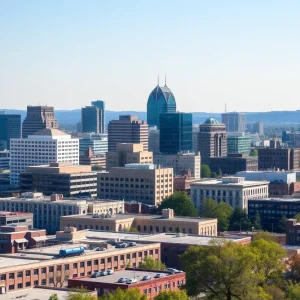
(235, 191)
(98, 143)
(44, 266)
(271, 211)
(90, 159)
(180, 162)
(139, 182)
(48, 210)
(60, 178)
(293, 232)
(150, 287)
(4, 160)
(16, 218)
(128, 153)
(233, 163)
(14, 238)
(183, 183)
(166, 222)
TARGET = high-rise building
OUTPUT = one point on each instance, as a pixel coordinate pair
(181, 163)
(128, 153)
(98, 143)
(92, 117)
(10, 127)
(238, 144)
(38, 117)
(136, 182)
(128, 129)
(153, 140)
(258, 127)
(212, 140)
(160, 101)
(176, 133)
(45, 146)
(234, 121)
(196, 137)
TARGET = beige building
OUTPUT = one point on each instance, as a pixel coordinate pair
(128, 129)
(235, 191)
(180, 163)
(139, 182)
(166, 222)
(128, 153)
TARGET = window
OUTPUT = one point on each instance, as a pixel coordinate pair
(20, 274)
(11, 276)
(2, 277)
(145, 253)
(127, 256)
(27, 284)
(115, 258)
(51, 269)
(43, 282)
(81, 274)
(82, 264)
(11, 287)
(140, 254)
(43, 270)
(96, 262)
(102, 261)
(89, 263)
(36, 282)
(122, 257)
(133, 255)
(109, 260)
(156, 251)
(67, 267)
(58, 268)
(75, 265)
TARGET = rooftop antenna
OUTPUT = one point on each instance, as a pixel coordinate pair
(158, 80)
(165, 80)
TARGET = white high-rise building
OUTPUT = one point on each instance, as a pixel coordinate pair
(45, 146)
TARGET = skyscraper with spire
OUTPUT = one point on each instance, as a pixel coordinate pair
(160, 101)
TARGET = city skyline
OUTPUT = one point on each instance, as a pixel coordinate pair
(67, 53)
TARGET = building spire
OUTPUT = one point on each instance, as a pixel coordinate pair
(158, 80)
(165, 79)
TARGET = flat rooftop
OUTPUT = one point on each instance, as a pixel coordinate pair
(277, 200)
(161, 237)
(229, 181)
(142, 216)
(14, 261)
(36, 293)
(130, 274)
(13, 214)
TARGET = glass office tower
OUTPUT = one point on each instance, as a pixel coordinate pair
(10, 127)
(176, 133)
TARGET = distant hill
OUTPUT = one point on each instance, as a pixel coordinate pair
(271, 117)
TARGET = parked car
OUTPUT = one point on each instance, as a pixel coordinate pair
(95, 275)
(122, 280)
(132, 244)
(122, 245)
(100, 249)
(147, 277)
(103, 273)
(159, 275)
(130, 281)
(172, 271)
(110, 272)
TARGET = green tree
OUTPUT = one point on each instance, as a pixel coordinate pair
(133, 229)
(257, 221)
(97, 168)
(219, 172)
(178, 229)
(239, 220)
(53, 297)
(214, 175)
(293, 268)
(151, 264)
(181, 203)
(172, 295)
(282, 224)
(119, 294)
(254, 152)
(207, 208)
(268, 256)
(80, 296)
(205, 171)
(264, 235)
(297, 217)
(293, 292)
(223, 270)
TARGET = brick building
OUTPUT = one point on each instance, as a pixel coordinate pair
(16, 218)
(292, 232)
(150, 287)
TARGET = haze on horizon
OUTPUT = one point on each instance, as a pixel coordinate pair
(69, 53)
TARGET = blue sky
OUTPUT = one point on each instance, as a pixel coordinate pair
(69, 53)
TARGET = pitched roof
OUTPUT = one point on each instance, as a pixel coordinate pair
(50, 132)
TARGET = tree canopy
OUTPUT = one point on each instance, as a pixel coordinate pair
(172, 295)
(80, 296)
(151, 264)
(181, 203)
(129, 294)
(53, 297)
(239, 220)
(205, 171)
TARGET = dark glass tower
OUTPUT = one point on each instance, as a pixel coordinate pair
(10, 127)
(160, 101)
(101, 105)
(176, 133)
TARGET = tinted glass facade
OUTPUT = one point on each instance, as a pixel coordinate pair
(92, 119)
(175, 133)
(10, 127)
(160, 101)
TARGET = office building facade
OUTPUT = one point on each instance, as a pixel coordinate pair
(128, 129)
(92, 119)
(235, 191)
(176, 133)
(38, 118)
(153, 140)
(138, 182)
(238, 144)
(234, 121)
(180, 163)
(212, 140)
(10, 127)
(128, 153)
(101, 105)
(161, 101)
(98, 143)
(41, 148)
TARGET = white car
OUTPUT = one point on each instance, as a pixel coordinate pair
(172, 271)
(122, 279)
(159, 275)
(130, 281)
(110, 272)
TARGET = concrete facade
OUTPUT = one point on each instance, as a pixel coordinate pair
(16, 218)
(143, 183)
(235, 191)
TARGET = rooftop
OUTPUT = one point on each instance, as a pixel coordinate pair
(211, 121)
(277, 200)
(50, 132)
(12, 214)
(130, 274)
